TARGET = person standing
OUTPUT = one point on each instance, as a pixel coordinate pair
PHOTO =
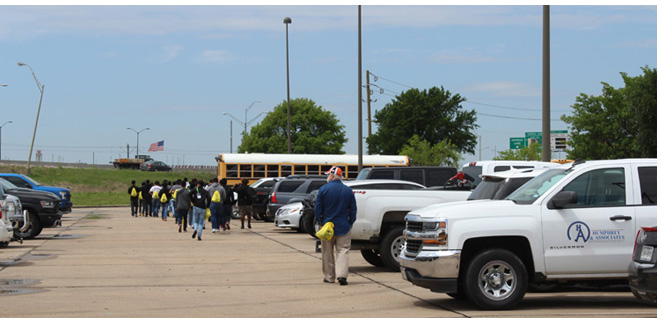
(217, 193)
(182, 206)
(147, 198)
(164, 199)
(141, 203)
(173, 193)
(228, 201)
(200, 199)
(133, 192)
(336, 203)
(244, 201)
(156, 203)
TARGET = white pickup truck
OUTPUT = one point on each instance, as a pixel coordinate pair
(572, 223)
(381, 208)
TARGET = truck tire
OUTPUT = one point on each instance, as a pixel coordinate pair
(33, 230)
(372, 257)
(495, 279)
(390, 246)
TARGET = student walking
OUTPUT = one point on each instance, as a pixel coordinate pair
(182, 206)
(147, 198)
(200, 199)
(156, 203)
(217, 193)
(228, 201)
(164, 199)
(133, 193)
(244, 201)
(141, 203)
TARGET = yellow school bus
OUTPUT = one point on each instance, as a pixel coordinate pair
(254, 166)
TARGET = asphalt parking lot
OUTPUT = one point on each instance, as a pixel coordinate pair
(104, 263)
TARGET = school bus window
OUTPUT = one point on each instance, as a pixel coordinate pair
(258, 171)
(232, 170)
(352, 171)
(245, 171)
(314, 169)
(285, 170)
(300, 169)
(272, 171)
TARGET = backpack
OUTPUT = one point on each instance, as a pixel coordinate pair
(140, 195)
(155, 195)
(133, 192)
(164, 198)
(216, 198)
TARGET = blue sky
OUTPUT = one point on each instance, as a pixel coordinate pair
(177, 69)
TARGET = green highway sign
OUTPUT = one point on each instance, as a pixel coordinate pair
(517, 143)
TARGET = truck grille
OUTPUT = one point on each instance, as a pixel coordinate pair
(414, 226)
(413, 246)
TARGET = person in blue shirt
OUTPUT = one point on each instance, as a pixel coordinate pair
(335, 203)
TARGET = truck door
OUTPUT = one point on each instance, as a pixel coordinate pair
(596, 234)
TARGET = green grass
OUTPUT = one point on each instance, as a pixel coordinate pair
(98, 187)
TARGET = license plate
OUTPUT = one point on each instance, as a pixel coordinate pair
(647, 253)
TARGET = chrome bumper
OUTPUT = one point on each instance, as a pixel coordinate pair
(434, 264)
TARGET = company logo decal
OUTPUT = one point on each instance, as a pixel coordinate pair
(580, 232)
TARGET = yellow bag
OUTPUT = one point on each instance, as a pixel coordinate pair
(207, 214)
(325, 232)
(140, 195)
(155, 195)
(133, 192)
(164, 198)
(216, 198)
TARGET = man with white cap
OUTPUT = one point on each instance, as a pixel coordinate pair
(335, 203)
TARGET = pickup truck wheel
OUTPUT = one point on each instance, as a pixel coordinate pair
(33, 230)
(495, 280)
(372, 257)
(390, 246)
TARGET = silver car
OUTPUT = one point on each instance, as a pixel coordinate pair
(13, 218)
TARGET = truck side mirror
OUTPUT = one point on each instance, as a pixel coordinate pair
(562, 200)
(27, 185)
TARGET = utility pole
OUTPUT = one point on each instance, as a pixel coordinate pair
(546, 102)
(367, 82)
(360, 162)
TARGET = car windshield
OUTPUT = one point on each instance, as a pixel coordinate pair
(532, 190)
(7, 185)
(486, 189)
(32, 181)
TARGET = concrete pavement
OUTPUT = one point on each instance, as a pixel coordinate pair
(105, 263)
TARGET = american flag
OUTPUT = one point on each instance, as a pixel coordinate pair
(157, 146)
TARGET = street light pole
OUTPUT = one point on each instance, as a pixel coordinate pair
(1, 137)
(288, 21)
(36, 122)
(246, 114)
(137, 138)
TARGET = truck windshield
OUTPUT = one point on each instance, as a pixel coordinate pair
(474, 171)
(363, 174)
(532, 190)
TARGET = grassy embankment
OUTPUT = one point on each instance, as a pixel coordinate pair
(98, 187)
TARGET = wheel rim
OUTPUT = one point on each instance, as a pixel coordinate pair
(497, 280)
(396, 247)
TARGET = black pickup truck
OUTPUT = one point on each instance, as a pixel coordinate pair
(43, 208)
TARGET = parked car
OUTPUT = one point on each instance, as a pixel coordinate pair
(474, 169)
(42, 209)
(292, 189)
(25, 181)
(263, 188)
(642, 272)
(291, 215)
(155, 166)
(10, 211)
(426, 176)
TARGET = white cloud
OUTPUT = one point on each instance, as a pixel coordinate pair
(216, 56)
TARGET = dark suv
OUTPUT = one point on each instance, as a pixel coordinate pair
(292, 189)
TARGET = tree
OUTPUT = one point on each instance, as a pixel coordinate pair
(313, 131)
(621, 123)
(434, 115)
(532, 152)
(424, 154)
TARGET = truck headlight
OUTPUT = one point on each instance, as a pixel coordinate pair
(47, 204)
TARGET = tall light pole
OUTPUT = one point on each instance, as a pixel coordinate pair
(1, 137)
(231, 116)
(546, 102)
(288, 21)
(138, 138)
(246, 114)
(34, 133)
